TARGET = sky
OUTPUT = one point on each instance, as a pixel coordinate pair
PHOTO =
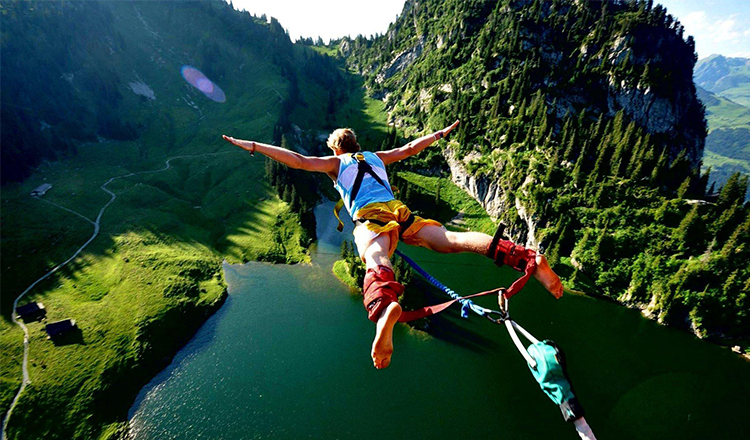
(718, 26)
(328, 19)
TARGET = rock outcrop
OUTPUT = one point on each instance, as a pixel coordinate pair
(482, 188)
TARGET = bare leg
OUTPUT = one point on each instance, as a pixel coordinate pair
(442, 240)
(375, 253)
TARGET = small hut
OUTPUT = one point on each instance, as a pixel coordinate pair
(41, 189)
(60, 328)
(31, 311)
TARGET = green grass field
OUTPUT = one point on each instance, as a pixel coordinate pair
(727, 145)
(740, 94)
(727, 114)
(717, 161)
(453, 200)
(156, 263)
(366, 116)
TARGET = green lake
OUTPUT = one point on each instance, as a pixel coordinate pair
(288, 357)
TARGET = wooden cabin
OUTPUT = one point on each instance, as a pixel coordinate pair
(60, 328)
(31, 311)
(41, 189)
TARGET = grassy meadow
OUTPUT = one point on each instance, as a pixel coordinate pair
(452, 202)
(156, 265)
(727, 149)
(153, 274)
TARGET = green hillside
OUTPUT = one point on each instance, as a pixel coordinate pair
(97, 86)
(728, 77)
(728, 141)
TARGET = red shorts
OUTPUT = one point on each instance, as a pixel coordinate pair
(380, 289)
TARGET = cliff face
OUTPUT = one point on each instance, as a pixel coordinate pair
(663, 108)
(482, 188)
(495, 199)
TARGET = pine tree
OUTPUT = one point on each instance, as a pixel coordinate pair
(732, 192)
(345, 250)
(738, 245)
(688, 236)
(728, 222)
(554, 175)
(661, 168)
(542, 129)
(294, 200)
(644, 160)
(635, 157)
(682, 191)
(602, 161)
(570, 147)
(578, 171)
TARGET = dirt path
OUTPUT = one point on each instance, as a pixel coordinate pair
(97, 226)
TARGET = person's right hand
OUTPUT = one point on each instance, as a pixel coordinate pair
(444, 132)
(245, 145)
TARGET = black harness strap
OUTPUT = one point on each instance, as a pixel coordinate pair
(495, 240)
(364, 168)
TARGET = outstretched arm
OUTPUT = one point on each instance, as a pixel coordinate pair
(292, 159)
(414, 146)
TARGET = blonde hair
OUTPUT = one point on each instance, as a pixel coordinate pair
(343, 139)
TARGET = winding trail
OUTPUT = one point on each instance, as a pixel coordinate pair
(97, 226)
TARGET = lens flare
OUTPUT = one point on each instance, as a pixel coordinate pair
(197, 79)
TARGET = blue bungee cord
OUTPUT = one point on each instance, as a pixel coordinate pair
(466, 304)
(543, 357)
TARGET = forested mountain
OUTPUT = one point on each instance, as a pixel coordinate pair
(581, 130)
(112, 72)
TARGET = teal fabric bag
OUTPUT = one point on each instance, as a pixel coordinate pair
(550, 374)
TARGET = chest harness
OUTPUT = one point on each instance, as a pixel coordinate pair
(365, 168)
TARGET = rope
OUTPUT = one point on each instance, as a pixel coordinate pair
(540, 369)
(466, 304)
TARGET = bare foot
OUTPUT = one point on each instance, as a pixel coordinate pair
(382, 346)
(548, 277)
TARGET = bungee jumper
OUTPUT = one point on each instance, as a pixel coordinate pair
(381, 221)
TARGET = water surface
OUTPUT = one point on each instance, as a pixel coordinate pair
(287, 357)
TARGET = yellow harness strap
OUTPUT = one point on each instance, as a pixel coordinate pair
(336, 210)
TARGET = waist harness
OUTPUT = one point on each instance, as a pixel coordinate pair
(362, 168)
